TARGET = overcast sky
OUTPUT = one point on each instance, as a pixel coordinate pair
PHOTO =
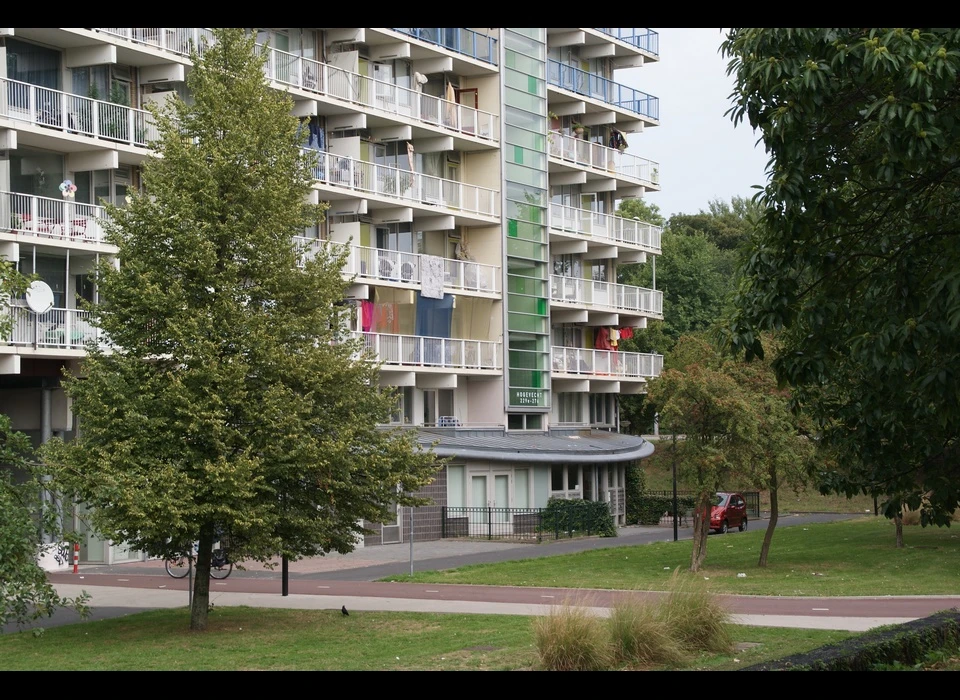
(701, 155)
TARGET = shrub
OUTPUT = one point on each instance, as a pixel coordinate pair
(695, 617)
(649, 509)
(639, 636)
(576, 516)
(571, 638)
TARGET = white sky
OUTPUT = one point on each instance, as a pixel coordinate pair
(701, 155)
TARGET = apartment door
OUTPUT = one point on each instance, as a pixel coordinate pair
(588, 205)
(489, 498)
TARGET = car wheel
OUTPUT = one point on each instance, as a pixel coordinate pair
(743, 524)
(723, 528)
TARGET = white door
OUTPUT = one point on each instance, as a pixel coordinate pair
(489, 500)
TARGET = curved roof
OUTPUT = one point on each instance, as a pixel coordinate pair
(596, 446)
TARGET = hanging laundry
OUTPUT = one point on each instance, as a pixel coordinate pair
(626, 333)
(366, 315)
(602, 339)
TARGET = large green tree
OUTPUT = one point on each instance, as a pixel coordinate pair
(30, 520)
(858, 254)
(228, 401)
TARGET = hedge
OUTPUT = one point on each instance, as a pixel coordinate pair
(578, 517)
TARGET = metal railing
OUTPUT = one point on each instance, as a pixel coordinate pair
(606, 363)
(67, 329)
(74, 114)
(175, 41)
(460, 40)
(356, 89)
(644, 38)
(573, 149)
(427, 351)
(592, 85)
(605, 227)
(404, 185)
(623, 297)
(45, 217)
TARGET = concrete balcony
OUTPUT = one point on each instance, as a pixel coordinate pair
(603, 90)
(603, 160)
(568, 223)
(70, 116)
(57, 329)
(392, 266)
(644, 39)
(606, 296)
(465, 42)
(175, 41)
(382, 98)
(605, 363)
(422, 352)
(44, 219)
(349, 176)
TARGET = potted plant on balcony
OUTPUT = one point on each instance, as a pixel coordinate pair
(577, 128)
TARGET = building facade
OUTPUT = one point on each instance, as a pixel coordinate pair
(474, 176)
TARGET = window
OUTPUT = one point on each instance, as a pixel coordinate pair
(569, 407)
(525, 421)
(567, 266)
(437, 403)
(403, 410)
(602, 409)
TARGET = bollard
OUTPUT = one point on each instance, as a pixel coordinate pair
(76, 557)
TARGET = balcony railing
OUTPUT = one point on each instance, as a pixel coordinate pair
(404, 185)
(173, 40)
(354, 88)
(424, 351)
(595, 155)
(605, 227)
(395, 266)
(591, 85)
(644, 38)
(606, 363)
(607, 295)
(462, 41)
(74, 114)
(65, 329)
(44, 217)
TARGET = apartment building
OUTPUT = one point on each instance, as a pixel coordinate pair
(473, 174)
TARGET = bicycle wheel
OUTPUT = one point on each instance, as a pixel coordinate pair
(178, 567)
(221, 571)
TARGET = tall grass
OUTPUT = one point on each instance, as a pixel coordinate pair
(695, 616)
(572, 638)
(639, 636)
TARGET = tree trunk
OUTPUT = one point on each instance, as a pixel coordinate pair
(701, 527)
(774, 515)
(201, 587)
(899, 523)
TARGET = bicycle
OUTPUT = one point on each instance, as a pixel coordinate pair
(220, 565)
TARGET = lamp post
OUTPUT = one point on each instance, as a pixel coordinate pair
(676, 515)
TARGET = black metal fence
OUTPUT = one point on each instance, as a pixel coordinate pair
(524, 524)
(751, 497)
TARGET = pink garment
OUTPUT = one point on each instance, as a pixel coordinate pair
(366, 315)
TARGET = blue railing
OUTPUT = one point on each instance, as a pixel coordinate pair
(463, 41)
(592, 85)
(645, 39)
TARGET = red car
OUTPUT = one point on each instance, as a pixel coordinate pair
(728, 510)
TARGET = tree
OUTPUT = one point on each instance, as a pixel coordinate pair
(639, 209)
(228, 402)
(26, 513)
(783, 451)
(857, 254)
(718, 424)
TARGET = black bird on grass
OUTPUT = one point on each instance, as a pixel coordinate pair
(344, 610)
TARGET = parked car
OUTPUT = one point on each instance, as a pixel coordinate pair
(728, 510)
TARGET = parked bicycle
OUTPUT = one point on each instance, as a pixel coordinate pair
(220, 564)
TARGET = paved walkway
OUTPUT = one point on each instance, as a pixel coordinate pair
(350, 579)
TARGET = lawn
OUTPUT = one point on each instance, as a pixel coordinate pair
(854, 557)
(244, 638)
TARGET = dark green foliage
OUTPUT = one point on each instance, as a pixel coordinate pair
(856, 261)
(901, 645)
(647, 510)
(578, 517)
